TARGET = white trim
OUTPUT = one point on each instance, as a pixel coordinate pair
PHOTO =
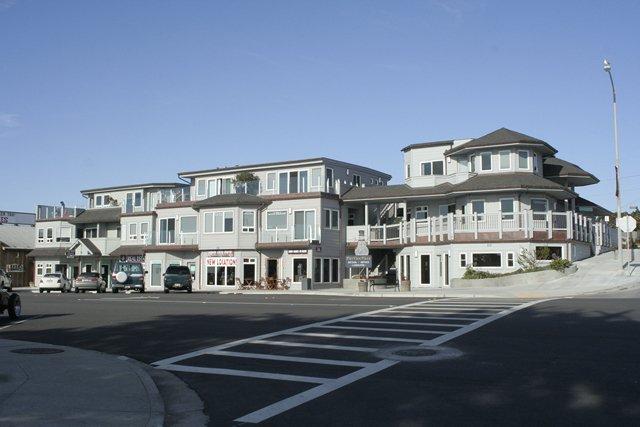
(500, 159)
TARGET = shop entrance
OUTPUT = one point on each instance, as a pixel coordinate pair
(272, 268)
(249, 271)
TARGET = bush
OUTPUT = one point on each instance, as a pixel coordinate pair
(528, 260)
(470, 273)
(560, 264)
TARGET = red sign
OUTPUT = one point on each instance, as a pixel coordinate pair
(220, 261)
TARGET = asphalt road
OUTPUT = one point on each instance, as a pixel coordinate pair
(567, 361)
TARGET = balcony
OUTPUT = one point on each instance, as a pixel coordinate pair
(184, 239)
(553, 226)
(295, 236)
(44, 212)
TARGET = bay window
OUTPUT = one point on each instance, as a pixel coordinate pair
(248, 221)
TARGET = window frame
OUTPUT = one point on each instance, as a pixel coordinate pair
(356, 180)
(134, 235)
(328, 217)
(513, 209)
(330, 178)
(480, 216)
(431, 169)
(248, 228)
(202, 182)
(160, 228)
(528, 157)
(500, 153)
(510, 262)
(422, 208)
(482, 157)
(462, 260)
(473, 264)
(213, 222)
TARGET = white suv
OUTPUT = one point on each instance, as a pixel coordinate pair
(5, 280)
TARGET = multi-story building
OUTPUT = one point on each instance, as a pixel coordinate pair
(475, 202)
(229, 225)
(16, 241)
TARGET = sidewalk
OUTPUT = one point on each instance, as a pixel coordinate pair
(74, 387)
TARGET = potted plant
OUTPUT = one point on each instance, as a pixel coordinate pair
(246, 182)
(405, 284)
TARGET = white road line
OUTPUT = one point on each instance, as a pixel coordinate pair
(293, 359)
(354, 337)
(170, 360)
(323, 389)
(460, 309)
(438, 312)
(313, 345)
(234, 302)
(386, 322)
(383, 316)
(362, 328)
(452, 305)
(251, 374)
(19, 322)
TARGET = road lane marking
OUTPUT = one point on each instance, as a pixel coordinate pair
(250, 374)
(437, 312)
(457, 325)
(420, 317)
(364, 328)
(234, 302)
(354, 337)
(20, 322)
(288, 358)
(313, 345)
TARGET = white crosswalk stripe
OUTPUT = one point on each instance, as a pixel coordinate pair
(330, 343)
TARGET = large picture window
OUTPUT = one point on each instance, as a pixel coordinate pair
(487, 260)
(221, 275)
(276, 220)
(188, 224)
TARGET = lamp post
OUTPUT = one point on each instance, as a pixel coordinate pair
(607, 69)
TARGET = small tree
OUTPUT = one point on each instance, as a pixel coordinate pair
(528, 260)
(244, 176)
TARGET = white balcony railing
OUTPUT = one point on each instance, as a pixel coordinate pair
(487, 226)
(297, 233)
(179, 239)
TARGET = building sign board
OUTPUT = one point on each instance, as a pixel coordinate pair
(7, 217)
(15, 268)
(221, 261)
(358, 261)
(132, 258)
(220, 253)
(297, 251)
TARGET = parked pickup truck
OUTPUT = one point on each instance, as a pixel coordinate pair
(177, 277)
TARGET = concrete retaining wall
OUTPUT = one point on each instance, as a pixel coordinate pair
(535, 278)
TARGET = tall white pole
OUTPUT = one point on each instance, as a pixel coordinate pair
(607, 69)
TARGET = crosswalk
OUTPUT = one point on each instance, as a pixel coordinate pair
(331, 354)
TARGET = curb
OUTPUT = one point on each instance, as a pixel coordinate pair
(157, 410)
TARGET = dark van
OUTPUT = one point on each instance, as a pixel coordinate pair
(177, 277)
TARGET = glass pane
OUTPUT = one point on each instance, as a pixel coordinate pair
(426, 169)
(211, 276)
(316, 177)
(276, 220)
(217, 222)
(505, 160)
(282, 182)
(219, 276)
(317, 270)
(298, 225)
(326, 267)
(523, 159)
(310, 225)
(303, 181)
(231, 276)
(228, 222)
(486, 161)
(188, 224)
(293, 182)
(438, 168)
(271, 181)
(248, 219)
(334, 219)
(334, 270)
(506, 205)
(299, 270)
(208, 223)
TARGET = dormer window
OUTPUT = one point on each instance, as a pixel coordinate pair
(433, 168)
(486, 161)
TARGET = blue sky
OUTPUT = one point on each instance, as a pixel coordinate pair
(96, 93)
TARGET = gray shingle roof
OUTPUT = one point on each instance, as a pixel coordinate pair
(481, 182)
(128, 250)
(428, 144)
(89, 244)
(555, 167)
(502, 136)
(94, 216)
(17, 236)
(230, 200)
(48, 252)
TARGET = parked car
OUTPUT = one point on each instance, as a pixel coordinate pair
(177, 277)
(127, 275)
(90, 282)
(11, 303)
(5, 280)
(54, 282)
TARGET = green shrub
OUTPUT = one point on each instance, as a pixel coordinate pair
(470, 273)
(560, 264)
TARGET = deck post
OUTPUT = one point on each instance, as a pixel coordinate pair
(569, 225)
(549, 225)
(384, 234)
(525, 223)
(500, 224)
(450, 221)
(475, 225)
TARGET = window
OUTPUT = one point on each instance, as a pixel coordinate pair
(539, 208)
(317, 270)
(329, 178)
(188, 224)
(144, 230)
(472, 163)
(41, 235)
(523, 160)
(98, 201)
(283, 188)
(331, 219)
(463, 260)
(506, 206)
(316, 179)
(248, 221)
(201, 189)
(225, 186)
(218, 222)
(133, 231)
(271, 181)
(49, 235)
(304, 225)
(477, 207)
(485, 161)
(303, 185)
(90, 233)
(221, 275)
(276, 220)
(137, 201)
(293, 182)
(510, 262)
(425, 269)
(356, 180)
(299, 269)
(535, 162)
(408, 171)
(505, 160)
(211, 188)
(433, 168)
(422, 212)
(64, 234)
(547, 253)
(168, 230)
(334, 270)
(326, 269)
(487, 260)
(39, 269)
(443, 210)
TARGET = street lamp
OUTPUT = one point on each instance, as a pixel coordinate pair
(607, 69)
